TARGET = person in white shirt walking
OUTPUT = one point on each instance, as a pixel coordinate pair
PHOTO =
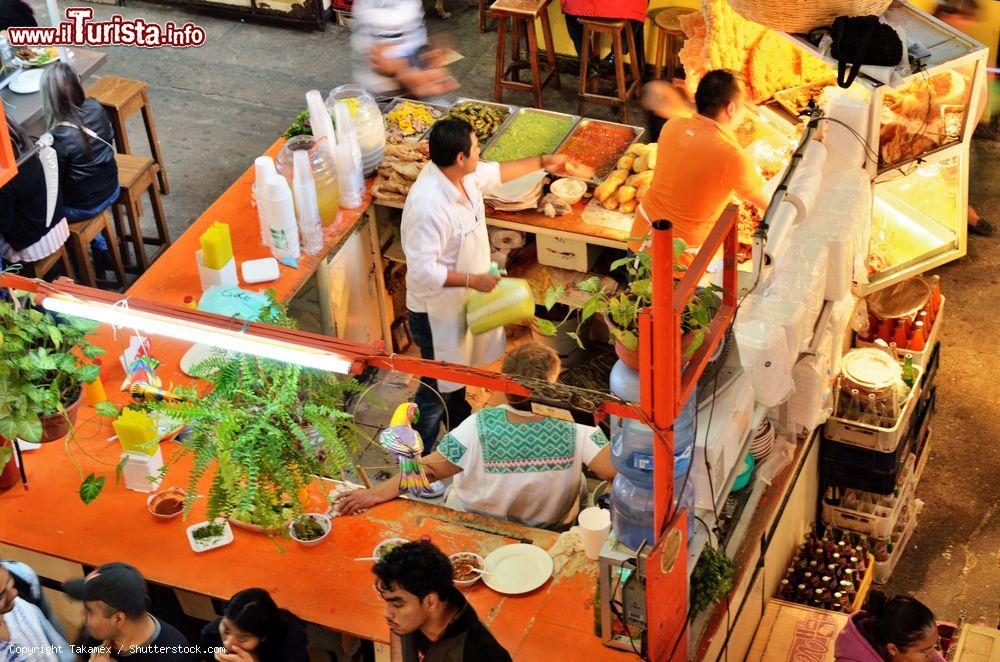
(447, 257)
(508, 462)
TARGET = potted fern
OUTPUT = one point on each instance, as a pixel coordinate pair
(621, 309)
(43, 366)
(262, 434)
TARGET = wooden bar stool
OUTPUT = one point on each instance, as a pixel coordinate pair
(136, 176)
(81, 234)
(668, 36)
(522, 15)
(122, 98)
(484, 17)
(593, 28)
(41, 268)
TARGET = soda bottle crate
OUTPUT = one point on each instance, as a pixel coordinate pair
(875, 515)
(900, 538)
(874, 437)
(923, 357)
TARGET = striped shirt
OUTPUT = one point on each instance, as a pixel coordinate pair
(28, 640)
(44, 247)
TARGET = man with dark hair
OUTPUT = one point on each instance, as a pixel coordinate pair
(115, 600)
(448, 257)
(700, 165)
(429, 618)
(26, 635)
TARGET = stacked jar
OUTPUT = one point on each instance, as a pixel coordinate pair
(327, 190)
(368, 123)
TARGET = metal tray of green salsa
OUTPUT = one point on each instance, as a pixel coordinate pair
(530, 132)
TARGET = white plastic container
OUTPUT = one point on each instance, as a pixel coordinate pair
(226, 276)
(880, 439)
(142, 472)
(900, 538)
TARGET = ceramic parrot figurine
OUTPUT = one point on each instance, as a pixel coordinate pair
(405, 443)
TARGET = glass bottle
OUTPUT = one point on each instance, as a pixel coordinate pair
(909, 376)
(919, 339)
(853, 412)
(324, 174)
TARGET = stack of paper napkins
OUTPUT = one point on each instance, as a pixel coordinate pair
(517, 194)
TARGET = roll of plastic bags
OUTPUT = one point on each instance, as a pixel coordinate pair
(846, 150)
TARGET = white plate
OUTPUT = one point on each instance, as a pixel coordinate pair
(28, 81)
(211, 543)
(517, 569)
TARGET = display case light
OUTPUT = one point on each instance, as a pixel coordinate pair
(121, 316)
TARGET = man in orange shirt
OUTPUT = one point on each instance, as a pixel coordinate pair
(700, 165)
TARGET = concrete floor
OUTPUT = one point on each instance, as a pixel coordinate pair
(219, 106)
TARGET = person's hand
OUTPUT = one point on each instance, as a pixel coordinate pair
(484, 282)
(562, 165)
(665, 100)
(356, 501)
(427, 82)
(239, 656)
(102, 652)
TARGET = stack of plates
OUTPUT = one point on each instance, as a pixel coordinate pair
(763, 440)
(517, 194)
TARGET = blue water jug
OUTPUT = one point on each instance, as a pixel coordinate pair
(632, 507)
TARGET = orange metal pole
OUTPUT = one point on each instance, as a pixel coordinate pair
(666, 351)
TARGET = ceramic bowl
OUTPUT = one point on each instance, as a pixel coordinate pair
(169, 494)
(466, 557)
(324, 522)
(386, 545)
(569, 189)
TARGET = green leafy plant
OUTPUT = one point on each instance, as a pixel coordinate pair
(42, 365)
(711, 580)
(300, 125)
(262, 433)
(622, 308)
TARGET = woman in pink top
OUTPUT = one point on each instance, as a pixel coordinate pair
(897, 630)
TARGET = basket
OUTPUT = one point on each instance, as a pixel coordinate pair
(804, 15)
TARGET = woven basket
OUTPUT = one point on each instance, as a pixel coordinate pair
(803, 15)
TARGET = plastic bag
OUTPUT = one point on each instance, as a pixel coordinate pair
(764, 355)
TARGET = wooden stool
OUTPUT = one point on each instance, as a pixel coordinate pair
(484, 17)
(522, 15)
(121, 98)
(81, 234)
(593, 28)
(136, 176)
(41, 268)
(667, 27)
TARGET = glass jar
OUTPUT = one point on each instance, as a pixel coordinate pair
(324, 174)
(368, 122)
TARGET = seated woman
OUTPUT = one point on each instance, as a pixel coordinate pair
(32, 226)
(254, 629)
(82, 137)
(897, 630)
(508, 462)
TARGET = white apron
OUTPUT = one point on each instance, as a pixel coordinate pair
(453, 342)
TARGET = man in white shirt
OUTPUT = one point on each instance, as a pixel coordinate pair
(447, 257)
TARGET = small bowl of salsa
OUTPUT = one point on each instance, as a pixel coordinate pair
(465, 565)
(166, 504)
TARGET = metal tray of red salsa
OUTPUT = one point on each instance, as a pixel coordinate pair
(600, 144)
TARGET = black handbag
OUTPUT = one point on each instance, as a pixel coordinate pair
(859, 40)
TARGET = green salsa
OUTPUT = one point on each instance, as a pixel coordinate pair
(529, 134)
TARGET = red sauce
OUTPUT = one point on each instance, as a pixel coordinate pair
(598, 145)
(168, 506)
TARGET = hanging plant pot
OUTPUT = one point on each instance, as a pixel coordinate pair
(563, 344)
(9, 476)
(56, 426)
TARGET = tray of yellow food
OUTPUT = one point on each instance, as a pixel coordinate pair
(796, 99)
(409, 121)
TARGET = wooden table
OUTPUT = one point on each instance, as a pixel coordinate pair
(27, 108)
(556, 621)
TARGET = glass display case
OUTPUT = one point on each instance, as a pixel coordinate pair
(919, 219)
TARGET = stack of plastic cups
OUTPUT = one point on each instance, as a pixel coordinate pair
(348, 159)
(263, 168)
(310, 224)
(322, 125)
(278, 210)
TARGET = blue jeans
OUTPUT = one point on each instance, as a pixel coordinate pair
(431, 408)
(73, 215)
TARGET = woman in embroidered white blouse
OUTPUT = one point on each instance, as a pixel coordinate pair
(508, 462)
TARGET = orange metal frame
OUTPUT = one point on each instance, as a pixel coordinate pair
(665, 385)
(8, 164)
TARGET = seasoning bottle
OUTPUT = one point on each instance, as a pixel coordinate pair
(189, 302)
(919, 339)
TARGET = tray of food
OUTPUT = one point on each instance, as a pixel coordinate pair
(530, 132)
(486, 118)
(796, 99)
(35, 56)
(407, 120)
(599, 145)
(627, 185)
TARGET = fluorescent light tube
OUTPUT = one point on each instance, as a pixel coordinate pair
(233, 341)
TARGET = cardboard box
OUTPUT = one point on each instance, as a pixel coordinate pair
(978, 643)
(566, 253)
(794, 632)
